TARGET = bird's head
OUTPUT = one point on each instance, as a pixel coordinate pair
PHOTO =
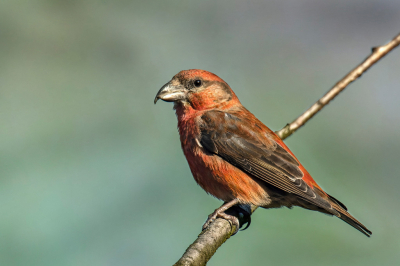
(198, 89)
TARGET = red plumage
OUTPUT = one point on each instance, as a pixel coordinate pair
(235, 157)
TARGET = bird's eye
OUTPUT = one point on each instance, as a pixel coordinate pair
(197, 83)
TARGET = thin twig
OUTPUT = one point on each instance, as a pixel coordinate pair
(377, 53)
(220, 230)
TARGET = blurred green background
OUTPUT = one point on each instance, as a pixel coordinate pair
(92, 173)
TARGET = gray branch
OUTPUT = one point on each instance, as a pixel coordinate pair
(377, 53)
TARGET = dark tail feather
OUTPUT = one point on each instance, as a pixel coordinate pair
(345, 216)
(337, 209)
(337, 202)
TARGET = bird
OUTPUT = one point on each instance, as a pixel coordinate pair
(236, 158)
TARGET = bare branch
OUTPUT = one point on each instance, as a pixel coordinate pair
(377, 53)
(207, 243)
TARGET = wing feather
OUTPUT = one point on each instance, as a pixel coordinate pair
(256, 154)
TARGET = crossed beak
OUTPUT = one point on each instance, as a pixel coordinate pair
(170, 93)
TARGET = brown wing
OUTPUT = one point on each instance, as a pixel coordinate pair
(228, 136)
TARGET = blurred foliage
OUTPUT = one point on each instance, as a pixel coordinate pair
(91, 172)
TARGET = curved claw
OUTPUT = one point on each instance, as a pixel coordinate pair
(247, 224)
(233, 220)
(211, 218)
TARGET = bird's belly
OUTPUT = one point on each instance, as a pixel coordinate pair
(224, 181)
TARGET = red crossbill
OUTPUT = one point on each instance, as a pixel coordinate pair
(235, 157)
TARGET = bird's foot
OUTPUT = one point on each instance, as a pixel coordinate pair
(218, 213)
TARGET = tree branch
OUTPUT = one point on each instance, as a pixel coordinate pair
(377, 53)
(207, 243)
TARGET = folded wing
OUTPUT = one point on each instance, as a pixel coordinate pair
(255, 153)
